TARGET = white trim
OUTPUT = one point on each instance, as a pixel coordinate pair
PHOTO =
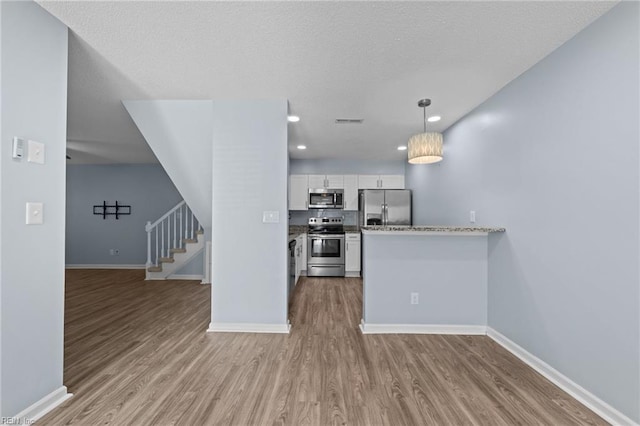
(352, 274)
(185, 277)
(595, 404)
(103, 266)
(43, 406)
(422, 329)
(228, 327)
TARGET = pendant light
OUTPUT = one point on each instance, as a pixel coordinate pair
(425, 148)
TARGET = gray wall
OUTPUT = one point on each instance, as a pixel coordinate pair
(448, 272)
(34, 105)
(554, 158)
(250, 258)
(149, 191)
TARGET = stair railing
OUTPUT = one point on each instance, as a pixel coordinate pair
(170, 232)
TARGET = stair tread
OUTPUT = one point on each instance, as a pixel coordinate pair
(178, 250)
(190, 240)
(154, 269)
(200, 232)
(166, 260)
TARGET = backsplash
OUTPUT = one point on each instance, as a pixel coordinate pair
(302, 217)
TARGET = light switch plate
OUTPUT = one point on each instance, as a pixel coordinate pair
(35, 152)
(35, 213)
(270, 217)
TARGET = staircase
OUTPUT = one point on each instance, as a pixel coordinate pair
(172, 241)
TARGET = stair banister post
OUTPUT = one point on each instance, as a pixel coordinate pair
(147, 228)
(192, 225)
(174, 229)
(181, 237)
(186, 222)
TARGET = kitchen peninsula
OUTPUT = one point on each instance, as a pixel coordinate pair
(425, 279)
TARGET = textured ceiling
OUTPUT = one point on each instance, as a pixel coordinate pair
(371, 60)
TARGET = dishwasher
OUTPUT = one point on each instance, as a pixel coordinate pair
(292, 268)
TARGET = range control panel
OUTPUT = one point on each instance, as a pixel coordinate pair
(325, 221)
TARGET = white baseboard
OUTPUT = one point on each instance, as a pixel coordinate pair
(227, 327)
(585, 397)
(422, 329)
(103, 266)
(185, 277)
(43, 406)
(350, 274)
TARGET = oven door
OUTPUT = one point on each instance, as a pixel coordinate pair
(325, 249)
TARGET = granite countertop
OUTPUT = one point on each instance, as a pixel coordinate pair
(296, 230)
(399, 230)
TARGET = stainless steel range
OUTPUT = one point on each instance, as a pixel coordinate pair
(325, 248)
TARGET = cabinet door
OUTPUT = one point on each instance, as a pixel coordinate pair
(350, 192)
(335, 181)
(368, 181)
(297, 253)
(317, 181)
(352, 255)
(298, 192)
(303, 251)
(392, 181)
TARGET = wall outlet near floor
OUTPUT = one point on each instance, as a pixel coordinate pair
(414, 298)
(472, 216)
(114, 252)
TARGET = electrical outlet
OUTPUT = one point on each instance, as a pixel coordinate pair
(414, 298)
(114, 252)
(472, 216)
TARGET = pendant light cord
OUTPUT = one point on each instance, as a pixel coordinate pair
(424, 116)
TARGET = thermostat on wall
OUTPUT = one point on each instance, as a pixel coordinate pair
(18, 148)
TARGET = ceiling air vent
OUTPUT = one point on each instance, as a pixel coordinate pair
(349, 120)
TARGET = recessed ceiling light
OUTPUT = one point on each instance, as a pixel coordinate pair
(434, 118)
(293, 118)
(301, 147)
(402, 148)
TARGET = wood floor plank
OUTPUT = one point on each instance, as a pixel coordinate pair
(137, 352)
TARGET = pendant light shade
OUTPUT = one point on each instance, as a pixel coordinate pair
(425, 148)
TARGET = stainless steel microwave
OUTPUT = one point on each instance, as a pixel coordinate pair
(326, 198)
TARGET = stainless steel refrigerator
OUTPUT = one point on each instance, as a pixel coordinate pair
(387, 207)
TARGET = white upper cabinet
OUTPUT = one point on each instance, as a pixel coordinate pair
(368, 181)
(317, 181)
(350, 192)
(326, 181)
(381, 182)
(298, 192)
(299, 186)
(392, 181)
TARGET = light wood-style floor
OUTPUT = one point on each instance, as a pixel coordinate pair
(137, 353)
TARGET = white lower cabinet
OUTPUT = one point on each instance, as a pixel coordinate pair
(352, 254)
(301, 256)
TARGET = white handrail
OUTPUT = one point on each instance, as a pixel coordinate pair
(164, 216)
